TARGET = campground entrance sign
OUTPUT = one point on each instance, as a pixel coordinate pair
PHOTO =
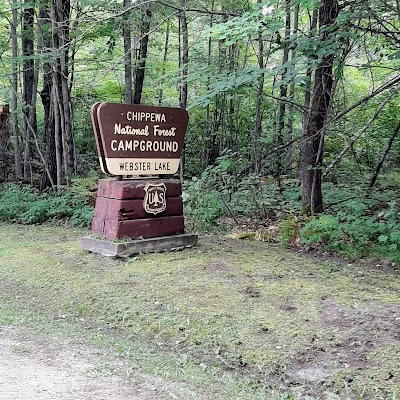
(146, 210)
(139, 140)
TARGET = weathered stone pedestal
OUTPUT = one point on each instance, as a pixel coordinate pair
(128, 248)
(123, 225)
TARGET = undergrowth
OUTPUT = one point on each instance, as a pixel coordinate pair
(26, 205)
(356, 223)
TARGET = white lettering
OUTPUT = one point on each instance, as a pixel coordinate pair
(128, 130)
(145, 116)
(162, 146)
(163, 132)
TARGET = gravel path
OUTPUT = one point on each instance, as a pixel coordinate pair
(32, 369)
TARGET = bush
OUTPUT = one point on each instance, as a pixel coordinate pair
(222, 191)
(25, 205)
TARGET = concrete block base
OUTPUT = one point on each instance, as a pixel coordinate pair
(126, 249)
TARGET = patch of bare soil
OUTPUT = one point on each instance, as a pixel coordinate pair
(348, 351)
(37, 369)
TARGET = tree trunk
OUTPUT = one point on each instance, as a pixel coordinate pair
(28, 81)
(66, 102)
(14, 93)
(4, 141)
(214, 148)
(291, 93)
(49, 175)
(283, 89)
(207, 132)
(185, 57)
(307, 92)
(313, 144)
(183, 95)
(141, 61)
(65, 146)
(126, 33)
(259, 98)
(165, 58)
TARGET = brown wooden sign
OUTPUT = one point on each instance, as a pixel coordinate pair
(97, 136)
(139, 140)
(138, 208)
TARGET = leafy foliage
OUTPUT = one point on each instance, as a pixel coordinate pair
(221, 191)
(25, 205)
(356, 223)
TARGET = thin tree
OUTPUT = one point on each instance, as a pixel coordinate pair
(28, 79)
(384, 155)
(313, 144)
(292, 90)
(284, 86)
(142, 54)
(165, 58)
(49, 175)
(65, 146)
(183, 93)
(126, 33)
(259, 98)
(14, 91)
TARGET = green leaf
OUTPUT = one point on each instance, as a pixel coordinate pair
(394, 56)
(383, 238)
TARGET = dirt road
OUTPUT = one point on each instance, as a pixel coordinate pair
(33, 369)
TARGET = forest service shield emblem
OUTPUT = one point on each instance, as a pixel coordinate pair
(155, 199)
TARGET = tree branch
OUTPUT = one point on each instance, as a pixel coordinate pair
(383, 156)
(357, 135)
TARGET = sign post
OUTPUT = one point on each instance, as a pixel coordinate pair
(146, 211)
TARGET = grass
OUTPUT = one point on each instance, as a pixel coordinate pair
(227, 319)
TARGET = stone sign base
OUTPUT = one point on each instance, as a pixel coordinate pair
(128, 248)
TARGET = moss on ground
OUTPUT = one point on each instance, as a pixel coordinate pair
(233, 319)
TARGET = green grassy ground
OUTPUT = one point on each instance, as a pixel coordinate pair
(229, 319)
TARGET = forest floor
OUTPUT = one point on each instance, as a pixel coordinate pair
(227, 319)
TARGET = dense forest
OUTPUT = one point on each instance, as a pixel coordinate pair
(293, 105)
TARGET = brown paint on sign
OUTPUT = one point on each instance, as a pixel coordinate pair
(134, 189)
(99, 144)
(112, 229)
(139, 140)
(133, 209)
(119, 210)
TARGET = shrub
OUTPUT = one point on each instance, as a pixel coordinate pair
(24, 204)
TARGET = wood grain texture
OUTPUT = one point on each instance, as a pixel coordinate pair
(145, 228)
(134, 189)
(133, 209)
